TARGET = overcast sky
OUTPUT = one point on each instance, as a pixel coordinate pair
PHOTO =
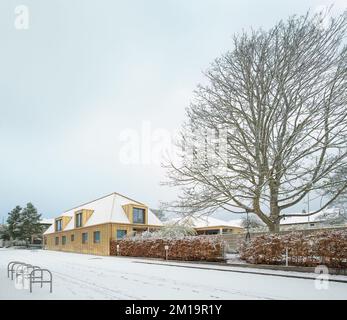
(89, 73)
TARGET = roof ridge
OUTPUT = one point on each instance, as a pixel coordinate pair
(112, 207)
(129, 198)
(112, 193)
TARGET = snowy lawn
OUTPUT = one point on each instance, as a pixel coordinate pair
(80, 276)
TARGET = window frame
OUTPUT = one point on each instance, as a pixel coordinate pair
(94, 239)
(143, 210)
(63, 240)
(59, 222)
(84, 237)
(79, 219)
(125, 234)
(72, 238)
(56, 241)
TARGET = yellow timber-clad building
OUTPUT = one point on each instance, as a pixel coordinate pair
(90, 227)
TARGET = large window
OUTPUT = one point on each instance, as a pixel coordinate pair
(72, 237)
(84, 237)
(58, 225)
(138, 215)
(96, 236)
(63, 240)
(56, 241)
(121, 234)
(79, 220)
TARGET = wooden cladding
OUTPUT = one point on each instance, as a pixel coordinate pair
(97, 240)
(81, 217)
(61, 222)
(74, 240)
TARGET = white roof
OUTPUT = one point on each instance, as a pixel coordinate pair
(236, 222)
(303, 219)
(203, 222)
(47, 221)
(106, 209)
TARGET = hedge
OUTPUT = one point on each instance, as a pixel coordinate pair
(189, 248)
(323, 247)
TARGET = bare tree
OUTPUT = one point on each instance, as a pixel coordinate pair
(270, 125)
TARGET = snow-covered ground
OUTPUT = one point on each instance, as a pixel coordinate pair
(80, 276)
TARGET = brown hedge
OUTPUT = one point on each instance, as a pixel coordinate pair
(324, 247)
(190, 248)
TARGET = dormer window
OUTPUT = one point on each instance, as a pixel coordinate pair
(139, 215)
(79, 220)
(58, 225)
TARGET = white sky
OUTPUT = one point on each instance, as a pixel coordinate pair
(87, 70)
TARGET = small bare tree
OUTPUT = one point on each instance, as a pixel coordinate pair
(270, 125)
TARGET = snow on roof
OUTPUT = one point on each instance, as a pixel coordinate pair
(236, 223)
(47, 221)
(106, 209)
(203, 222)
(303, 219)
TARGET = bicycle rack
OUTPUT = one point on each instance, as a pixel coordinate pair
(33, 278)
(9, 267)
(25, 270)
(13, 270)
(20, 268)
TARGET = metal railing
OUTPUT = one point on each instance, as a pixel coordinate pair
(32, 274)
(40, 279)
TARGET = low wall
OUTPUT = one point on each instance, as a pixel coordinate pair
(192, 248)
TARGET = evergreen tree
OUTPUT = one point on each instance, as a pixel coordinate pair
(14, 222)
(30, 222)
(4, 232)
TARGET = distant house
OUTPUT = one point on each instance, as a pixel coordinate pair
(45, 224)
(89, 228)
(209, 225)
(315, 221)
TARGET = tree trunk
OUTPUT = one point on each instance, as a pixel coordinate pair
(274, 227)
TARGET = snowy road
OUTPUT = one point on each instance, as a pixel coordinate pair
(80, 276)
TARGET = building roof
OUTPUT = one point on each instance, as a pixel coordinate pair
(236, 222)
(204, 222)
(47, 221)
(105, 210)
(304, 219)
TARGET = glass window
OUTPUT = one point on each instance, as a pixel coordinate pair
(79, 220)
(72, 237)
(121, 234)
(58, 225)
(138, 215)
(56, 241)
(84, 237)
(96, 237)
(63, 240)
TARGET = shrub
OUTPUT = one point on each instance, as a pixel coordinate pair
(324, 247)
(169, 231)
(189, 248)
